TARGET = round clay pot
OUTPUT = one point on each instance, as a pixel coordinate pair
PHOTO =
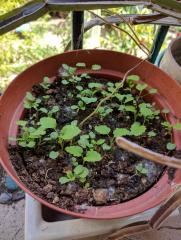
(114, 65)
(171, 61)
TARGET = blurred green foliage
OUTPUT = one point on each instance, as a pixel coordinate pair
(8, 5)
(48, 36)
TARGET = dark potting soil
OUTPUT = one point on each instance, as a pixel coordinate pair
(113, 179)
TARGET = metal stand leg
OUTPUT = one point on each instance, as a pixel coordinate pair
(77, 29)
(159, 39)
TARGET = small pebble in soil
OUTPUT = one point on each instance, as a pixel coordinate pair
(5, 198)
(18, 195)
(100, 195)
(10, 184)
(56, 199)
(111, 192)
(48, 188)
(121, 177)
(50, 195)
(71, 188)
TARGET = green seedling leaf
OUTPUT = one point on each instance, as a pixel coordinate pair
(68, 132)
(55, 109)
(85, 75)
(95, 85)
(74, 107)
(65, 82)
(44, 110)
(53, 154)
(76, 151)
(65, 66)
(106, 147)
(81, 171)
(100, 141)
(83, 141)
(70, 175)
(102, 129)
(88, 100)
(120, 132)
(141, 170)
(46, 83)
(64, 180)
(36, 133)
(31, 144)
(129, 98)
(21, 123)
(119, 96)
(171, 146)
(30, 97)
(110, 84)
(92, 156)
(22, 144)
(134, 78)
(48, 122)
(92, 135)
(145, 110)
(54, 135)
(80, 88)
(81, 65)
(167, 125)
(151, 134)
(137, 129)
(130, 108)
(96, 67)
(46, 97)
(177, 126)
(153, 90)
(140, 87)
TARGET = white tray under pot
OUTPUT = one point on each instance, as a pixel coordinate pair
(42, 223)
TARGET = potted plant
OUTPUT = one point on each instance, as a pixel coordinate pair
(59, 121)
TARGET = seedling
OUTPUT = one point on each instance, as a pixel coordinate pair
(141, 170)
(132, 79)
(29, 135)
(120, 132)
(80, 172)
(102, 129)
(104, 111)
(171, 146)
(46, 83)
(75, 151)
(96, 67)
(92, 156)
(31, 102)
(81, 65)
(68, 132)
(81, 106)
(137, 129)
(151, 134)
(53, 154)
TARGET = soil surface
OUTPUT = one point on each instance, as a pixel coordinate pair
(112, 180)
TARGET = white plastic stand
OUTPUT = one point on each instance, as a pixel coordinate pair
(42, 223)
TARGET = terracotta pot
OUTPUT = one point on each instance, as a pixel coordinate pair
(114, 65)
